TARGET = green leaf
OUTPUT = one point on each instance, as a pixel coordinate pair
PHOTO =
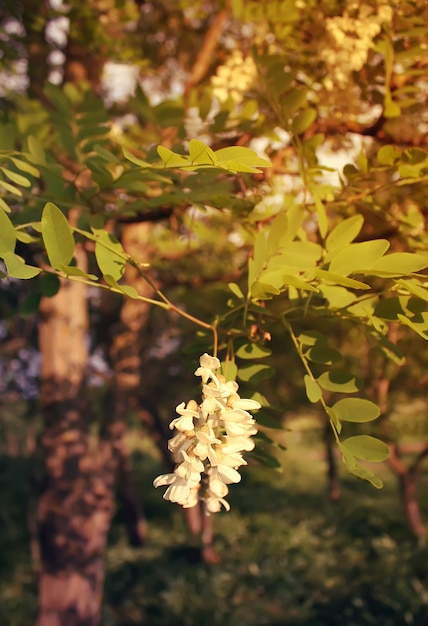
(313, 390)
(110, 254)
(337, 297)
(334, 419)
(10, 188)
(293, 281)
(57, 236)
(72, 271)
(399, 264)
(7, 234)
(26, 237)
(358, 257)
(391, 108)
(321, 353)
(388, 155)
(200, 154)
(366, 474)
(127, 290)
(236, 290)
(25, 167)
(301, 254)
(311, 337)
(421, 328)
(293, 101)
(356, 410)
(240, 159)
(229, 370)
(17, 268)
(415, 288)
(172, 159)
(255, 372)
(339, 381)
(253, 351)
(344, 233)
(4, 206)
(336, 279)
(366, 448)
(49, 284)
(303, 121)
(131, 157)
(264, 458)
(348, 457)
(18, 179)
(36, 151)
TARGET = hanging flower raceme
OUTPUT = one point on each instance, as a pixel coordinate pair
(210, 440)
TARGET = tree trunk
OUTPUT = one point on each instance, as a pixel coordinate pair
(75, 507)
(408, 490)
(408, 478)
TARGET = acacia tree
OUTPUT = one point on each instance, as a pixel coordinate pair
(313, 255)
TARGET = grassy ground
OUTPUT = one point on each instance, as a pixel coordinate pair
(289, 557)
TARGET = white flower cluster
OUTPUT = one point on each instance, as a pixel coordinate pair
(349, 40)
(236, 76)
(210, 440)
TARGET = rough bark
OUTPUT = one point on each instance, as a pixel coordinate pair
(76, 504)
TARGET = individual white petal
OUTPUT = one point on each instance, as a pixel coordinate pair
(164, 479)
(177, 444)
(210, 362)
(237, 444)
(213, 504)
(226, 474)
(246, 404)
(217, 487)
(178, 492)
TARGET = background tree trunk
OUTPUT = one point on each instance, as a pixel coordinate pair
(75, 507)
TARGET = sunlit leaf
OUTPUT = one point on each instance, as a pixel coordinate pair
(339, 381)
(25, 167)
(313, 390)
(172, 159)
(229, 370)
(388, 155)
(399, 264)
(344, 233)
(57, 236)
(16, 178)
(358, 257)
(10, 188)
(366, 474)
(356, 410)
(7, 234)
(322, 353)
(127, 290)
(253, 351)
(366, 448)
(303, 120)
(110, 254)
(200, 154)
(17, 268)
(255, 372)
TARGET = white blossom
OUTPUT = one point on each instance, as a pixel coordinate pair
(210, 440)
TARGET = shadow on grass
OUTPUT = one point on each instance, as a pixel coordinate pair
(289, 557)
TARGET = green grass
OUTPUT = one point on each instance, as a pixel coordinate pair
(289, 557)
